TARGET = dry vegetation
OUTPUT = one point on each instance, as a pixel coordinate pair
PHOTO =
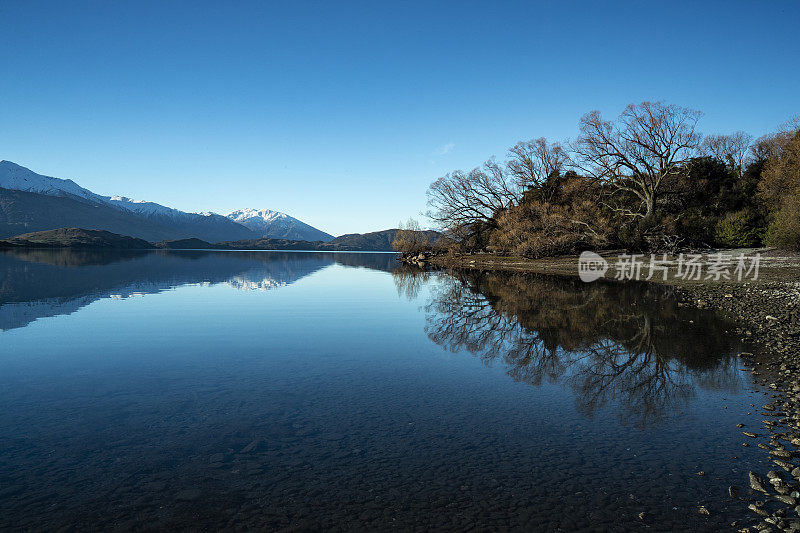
(646, 181)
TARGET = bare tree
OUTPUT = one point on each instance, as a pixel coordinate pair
(410, 239)
(460, 199)
(637, 152)
(730, 149)
(769, 146)
(532, 162)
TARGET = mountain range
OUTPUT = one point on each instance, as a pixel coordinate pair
(31, 202)
(78, 238)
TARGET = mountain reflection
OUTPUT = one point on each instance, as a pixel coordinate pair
(41, 283)
(624, 343)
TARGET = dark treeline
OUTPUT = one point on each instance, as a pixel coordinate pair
(645, 181)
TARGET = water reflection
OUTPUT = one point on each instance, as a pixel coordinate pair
(42, 283)
(325, 406)
(625, 343)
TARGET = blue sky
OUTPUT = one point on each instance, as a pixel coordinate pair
(342, 113)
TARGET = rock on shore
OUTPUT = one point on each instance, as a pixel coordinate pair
(769, 316)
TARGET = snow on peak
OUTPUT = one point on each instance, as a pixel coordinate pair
(143, 207)
(265, 214)
(277, 225)
(17, 177)
(261, 221)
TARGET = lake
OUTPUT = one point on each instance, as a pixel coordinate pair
(201, 390)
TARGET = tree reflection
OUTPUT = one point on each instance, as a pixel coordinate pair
(409, 280)
(625, 343)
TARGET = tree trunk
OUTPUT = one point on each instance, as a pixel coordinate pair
(649, 203)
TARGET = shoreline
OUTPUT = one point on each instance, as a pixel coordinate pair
(766, 312)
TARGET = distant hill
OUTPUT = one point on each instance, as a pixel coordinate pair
(273, 244)
(277, 225)
(78, 238)
(378, 241)
(188, 244)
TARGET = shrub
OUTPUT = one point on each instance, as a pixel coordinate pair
(784, 230)
(739, 229)
(572, 221)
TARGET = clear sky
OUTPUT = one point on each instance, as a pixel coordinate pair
(342, 113)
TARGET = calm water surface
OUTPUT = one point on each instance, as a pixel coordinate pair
(308, 391)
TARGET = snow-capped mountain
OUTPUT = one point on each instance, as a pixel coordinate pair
(278, 225)
(33, 202)
(215, 227)
(145, 208)
(19, 178)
